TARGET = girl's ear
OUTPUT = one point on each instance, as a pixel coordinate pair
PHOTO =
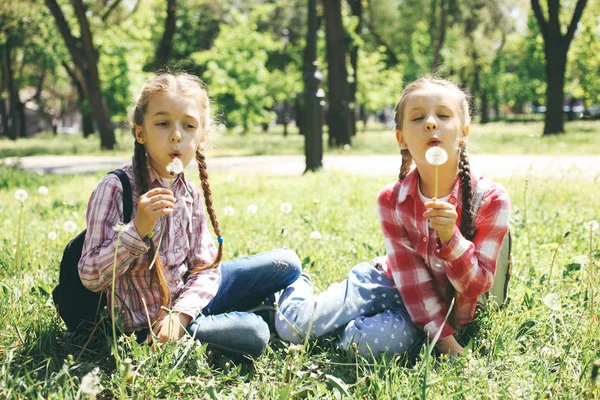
(138, 134)
(202, 142)
(400, 140)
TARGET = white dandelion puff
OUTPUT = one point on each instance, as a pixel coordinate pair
(52, 235)
(21, 195)
(591, 225)
(436, 155)
(316, 235)
(347, 147)
(70, 226)
(252, 209)
(90, 384)
(285, 208)
(229, 211)
(120, 227)
(175, 167)
(231, 178)
(552, 301)
(43, 190)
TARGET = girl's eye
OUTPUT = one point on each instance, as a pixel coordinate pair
(190, 126)
(417, 118)
(443, 116)
(162, 123)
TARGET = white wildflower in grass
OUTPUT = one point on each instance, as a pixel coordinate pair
(347, 147)
(552, 301)
(90, 385)
(52, 235)
(591, 225)
(231, 178)
(436, 155)
(252, 209)
(43, 190)
(70, 226)
(175, 167)
(229, 211)
(316, 235)
(21, 195)
(285, 208)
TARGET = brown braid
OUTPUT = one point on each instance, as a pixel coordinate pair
(203, 171)
(406, 163)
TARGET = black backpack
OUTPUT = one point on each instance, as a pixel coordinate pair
(78, 306)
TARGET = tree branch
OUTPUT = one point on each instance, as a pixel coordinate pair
(574, 21)
(86, 33)
(539, 16)
(65, 31)
(110, 10)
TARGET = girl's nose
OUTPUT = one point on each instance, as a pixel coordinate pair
(431, 124)
(175, 136)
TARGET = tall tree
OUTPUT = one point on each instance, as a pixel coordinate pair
(311, 114)
(356, 8)
(337, 74)
(165, 48)
(438, 41)
(556, 47)
(85, 58)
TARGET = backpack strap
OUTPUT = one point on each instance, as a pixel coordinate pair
(127, 199)
(483, 185)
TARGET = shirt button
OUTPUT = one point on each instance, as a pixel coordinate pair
(424, 239)
(452, 200)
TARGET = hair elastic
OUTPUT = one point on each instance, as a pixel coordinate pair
(220, 239)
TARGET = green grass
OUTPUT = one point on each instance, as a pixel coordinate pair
(582, 138)
(526, 350)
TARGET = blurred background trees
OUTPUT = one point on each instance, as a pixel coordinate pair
(76, 66)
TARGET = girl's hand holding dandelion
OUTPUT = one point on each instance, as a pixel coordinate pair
(442, 216)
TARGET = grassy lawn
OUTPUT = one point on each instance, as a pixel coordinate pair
(582, 138)
(543, 344)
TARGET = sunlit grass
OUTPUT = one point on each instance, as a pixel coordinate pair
(526, 350)
(581, 138)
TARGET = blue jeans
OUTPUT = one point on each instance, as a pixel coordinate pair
(245, 283)
(365, 311)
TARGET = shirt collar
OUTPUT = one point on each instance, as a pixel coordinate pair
(409, 187)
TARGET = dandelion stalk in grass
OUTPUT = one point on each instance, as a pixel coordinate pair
(119, 229)
(436, 156)
(592, 226)
(20, 195)
(174, 168)
(560, 242)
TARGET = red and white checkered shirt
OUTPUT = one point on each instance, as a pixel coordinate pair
(422, 267)
(186, 243)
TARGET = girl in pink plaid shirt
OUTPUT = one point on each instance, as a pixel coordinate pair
(437, 250)
(169, 274)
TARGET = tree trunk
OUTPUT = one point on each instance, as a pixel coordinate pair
(286, 117)
(485, 113)
(439, 41)
(556, 47)
(165, 48)
(356, 7)
(556, 63)
(337, 75)
(87, 123)
(12, 122)
(310, 112)
(85, 57)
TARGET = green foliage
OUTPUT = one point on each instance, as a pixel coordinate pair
(236, 72)
(526, 350)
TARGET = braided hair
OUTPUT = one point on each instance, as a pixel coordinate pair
(188, 86)
(467, 220)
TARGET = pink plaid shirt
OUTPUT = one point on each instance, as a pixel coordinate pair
(422, 267)
(186, 243)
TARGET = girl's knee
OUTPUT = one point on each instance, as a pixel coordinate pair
(256, 336)
(288, 259)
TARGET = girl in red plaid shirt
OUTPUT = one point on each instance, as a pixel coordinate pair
(169, 276)
(438, 253)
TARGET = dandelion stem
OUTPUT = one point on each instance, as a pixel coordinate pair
(435, 193)
(112, 298)
(591, 277)
(560, 242)
(161, 234)
(19, 236)
(526, 222)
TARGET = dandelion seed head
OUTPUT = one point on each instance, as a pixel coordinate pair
(252, 209)
(552, 301)
(285, 208)
(52, 235)
(316, 235)
(436, 155)
(347, 147)
(70, 226)
(43, 190)
(90, 384)
(21, 195)
(120, 227)
(591, 225)
(175, 167)
(229, 211)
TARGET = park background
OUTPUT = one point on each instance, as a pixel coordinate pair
(69, 75)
